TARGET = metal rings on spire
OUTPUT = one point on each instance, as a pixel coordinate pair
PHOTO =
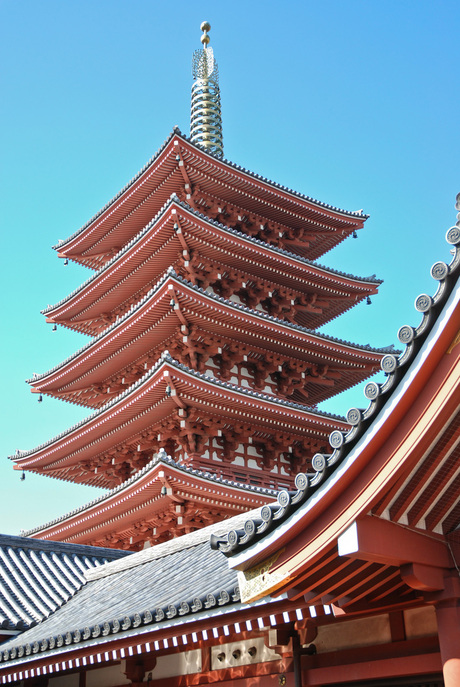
(206, 116)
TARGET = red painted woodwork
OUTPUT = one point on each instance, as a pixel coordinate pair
(448, 617)
(214, 265)
(209, 336)
(182, 168)
(214, 257)
(385, 542)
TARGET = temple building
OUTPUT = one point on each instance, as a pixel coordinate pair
(350, 579)
(314, 550)
(204, 368)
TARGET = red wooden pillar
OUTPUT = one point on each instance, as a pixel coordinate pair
(448, 617)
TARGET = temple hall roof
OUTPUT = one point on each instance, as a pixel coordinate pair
(38, 577)
(169, 584)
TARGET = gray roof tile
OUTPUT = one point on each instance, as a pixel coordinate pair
(178, 577)
(176, 132)
(250, 239)
(160, 457)
(37, 577)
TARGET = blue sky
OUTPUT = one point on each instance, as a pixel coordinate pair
(354, 103)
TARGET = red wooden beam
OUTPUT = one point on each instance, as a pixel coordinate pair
(422, 483)
(382, 541)
(397, 666)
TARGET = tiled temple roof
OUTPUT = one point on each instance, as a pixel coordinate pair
(38, 577)
(176, 132)
(163, 458)
(174, 199)
(177, 579)
(270, 517)
(219, 299)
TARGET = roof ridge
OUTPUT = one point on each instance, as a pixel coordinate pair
(349, 213)
(170, 272)
(61, 243)
(341, 443)
(23, 541)
(186, 541)
(167, 357)
(372, 279)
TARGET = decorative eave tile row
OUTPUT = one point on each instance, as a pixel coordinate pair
(120, 321)
(174, 200)
(166, 357)
(217, 596)
(352, 213)
(271, 516)
(160, 458)
(157, 596)
(60, 245)
(38, 577)
(184, 632)
(231, 166)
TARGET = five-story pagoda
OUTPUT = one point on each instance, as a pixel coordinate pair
(204, 368)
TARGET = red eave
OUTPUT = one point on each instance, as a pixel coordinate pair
(415, 420)
(141, 498)
(145, 328)
(148, 401)
(131, 209)
(180, 162)
(140, 264)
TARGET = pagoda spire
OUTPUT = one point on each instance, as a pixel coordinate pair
(206, 116)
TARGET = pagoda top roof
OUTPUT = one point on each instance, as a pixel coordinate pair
(37, 577)
(134, 482)
(133, 192)
(171, 275)
(423, 352)
(174, 201)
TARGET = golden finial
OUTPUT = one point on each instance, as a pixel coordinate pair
(205, 27)
(206, 118)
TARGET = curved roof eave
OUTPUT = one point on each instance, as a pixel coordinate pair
(134, 483)
(224, 162)
(20, 456)
(421, 347)
(121, 321)
(254, 241)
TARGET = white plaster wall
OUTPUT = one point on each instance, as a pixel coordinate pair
(177, 664)
(420, 622)
(99, 677)
(354, 633)
(65, 681)
(106, 677)
(222, 654)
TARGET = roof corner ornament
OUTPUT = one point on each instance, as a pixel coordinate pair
(206, 116)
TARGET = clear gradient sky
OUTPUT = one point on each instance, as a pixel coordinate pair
(355, 103)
